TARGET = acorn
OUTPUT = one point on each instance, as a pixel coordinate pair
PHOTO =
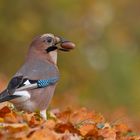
(64, 44)
(67, 45)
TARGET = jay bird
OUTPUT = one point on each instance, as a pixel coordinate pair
(33, 85)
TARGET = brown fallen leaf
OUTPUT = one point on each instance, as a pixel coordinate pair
(5, 110)
(62, 127)
(107, 133)
(66, 125)
(42, 134)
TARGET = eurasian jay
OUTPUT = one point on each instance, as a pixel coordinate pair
(32, 87)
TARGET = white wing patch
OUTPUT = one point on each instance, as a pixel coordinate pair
(27, 86)
(25, 95)
(27, 82)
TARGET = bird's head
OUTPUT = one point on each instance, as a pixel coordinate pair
(48, 44)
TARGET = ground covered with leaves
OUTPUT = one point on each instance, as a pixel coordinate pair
(66, 125)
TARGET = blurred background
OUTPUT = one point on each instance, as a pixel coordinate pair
(103, 72)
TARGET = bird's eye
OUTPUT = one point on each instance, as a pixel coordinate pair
(49, 39)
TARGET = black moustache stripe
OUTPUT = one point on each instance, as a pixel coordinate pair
(51, 48)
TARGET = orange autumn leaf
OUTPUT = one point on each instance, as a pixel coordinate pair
(64, 116)
(5, 110)
(27, 116)
(61, 128)
(83, 114)
(107, 133)
(50, 124)
(122, 128)
(88, 130)
(34, 122)
(78, 124)
(42, 134)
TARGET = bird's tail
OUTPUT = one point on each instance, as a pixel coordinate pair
(4, 96)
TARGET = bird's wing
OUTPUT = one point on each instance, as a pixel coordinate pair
(20, 83)
(7, 94)
(14, 83)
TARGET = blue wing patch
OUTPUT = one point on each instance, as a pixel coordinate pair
(45, 83)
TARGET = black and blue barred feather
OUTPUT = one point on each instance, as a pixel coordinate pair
(45, 83)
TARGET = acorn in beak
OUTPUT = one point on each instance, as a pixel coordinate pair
(64, 45)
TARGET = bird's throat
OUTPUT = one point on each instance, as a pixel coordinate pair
(53, 56)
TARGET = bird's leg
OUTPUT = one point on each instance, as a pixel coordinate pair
(43, 114)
